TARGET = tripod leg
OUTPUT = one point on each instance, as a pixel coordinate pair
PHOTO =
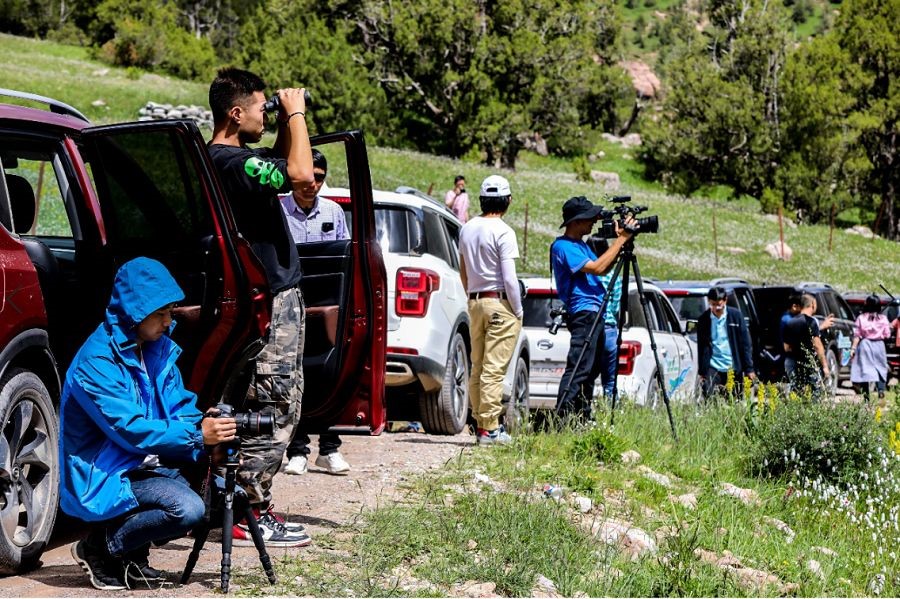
(660, 378)
(200, 535)
(257, 537)
(227, 529)
(623, 265)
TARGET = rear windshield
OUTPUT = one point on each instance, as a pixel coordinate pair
(537, 310)
(397, 230)
(689, 307)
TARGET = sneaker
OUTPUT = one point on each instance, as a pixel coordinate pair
(273, 533)
(104, 572)
(333, 463)
(297, 465)
(140, 575)
(498, 436)
(289, 526)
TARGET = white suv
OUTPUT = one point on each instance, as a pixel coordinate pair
(636, 377)
(428, 366)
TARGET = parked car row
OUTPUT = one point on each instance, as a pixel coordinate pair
(762, 307)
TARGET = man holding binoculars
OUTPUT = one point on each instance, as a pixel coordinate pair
(252, 179)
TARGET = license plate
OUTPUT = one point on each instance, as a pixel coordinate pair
(547, 371)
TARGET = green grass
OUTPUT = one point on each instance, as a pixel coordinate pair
(452, 528)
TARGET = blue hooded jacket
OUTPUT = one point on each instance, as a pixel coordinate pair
(112, 413)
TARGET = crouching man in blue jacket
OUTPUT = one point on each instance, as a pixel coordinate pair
(127, 424)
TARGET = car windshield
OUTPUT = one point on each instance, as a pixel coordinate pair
(689, 307)
(537, 310)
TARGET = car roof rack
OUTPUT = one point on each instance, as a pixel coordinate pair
(55, 105)
(406, 189)
(721, 280)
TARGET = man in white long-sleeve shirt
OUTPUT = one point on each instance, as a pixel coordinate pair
(488, 249)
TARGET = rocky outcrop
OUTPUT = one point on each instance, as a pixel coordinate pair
(153, 111)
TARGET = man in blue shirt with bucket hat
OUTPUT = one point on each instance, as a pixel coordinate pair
(577, 271)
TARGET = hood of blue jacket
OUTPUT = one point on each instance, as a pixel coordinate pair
(142, 286)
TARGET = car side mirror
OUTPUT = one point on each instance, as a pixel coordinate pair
(690, 327)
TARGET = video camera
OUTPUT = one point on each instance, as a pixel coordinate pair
(248, 423)
(274, 103)
(607, 228)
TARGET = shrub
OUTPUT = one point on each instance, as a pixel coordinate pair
(598, 444)
(831, 441)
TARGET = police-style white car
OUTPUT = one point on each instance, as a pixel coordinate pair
(636, 376)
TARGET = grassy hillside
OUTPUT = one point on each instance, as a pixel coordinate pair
(683, 248)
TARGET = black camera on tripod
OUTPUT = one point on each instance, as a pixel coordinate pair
(607, 228)
(557, 314)
(274, 103)
(248, 423)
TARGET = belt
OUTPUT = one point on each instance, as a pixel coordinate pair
(483, 294)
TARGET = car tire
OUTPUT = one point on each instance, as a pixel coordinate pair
(654, 397)
(516, 410)
(29, 470)
(444, 411)
(834, 381)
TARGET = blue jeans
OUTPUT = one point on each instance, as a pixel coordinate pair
(168, 508)
(610, 360)
(576, 388)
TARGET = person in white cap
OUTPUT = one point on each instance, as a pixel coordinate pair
(487, 252)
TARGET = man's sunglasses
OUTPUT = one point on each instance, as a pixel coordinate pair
(319, 177)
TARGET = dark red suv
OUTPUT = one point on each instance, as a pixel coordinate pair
(78, 201)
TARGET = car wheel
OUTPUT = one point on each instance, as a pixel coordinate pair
(832, 383)
(654, 397)
(29, 470)
(444, 411)
(516, 410)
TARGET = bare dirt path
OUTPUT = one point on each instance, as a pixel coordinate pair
(319, 500)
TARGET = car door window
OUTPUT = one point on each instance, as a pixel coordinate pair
(452, 232)
(635, 314)
(435, 236)
(669, 315)
(842, 309)
(660, 322)
(397, 230)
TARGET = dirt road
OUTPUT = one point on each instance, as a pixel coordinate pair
(319, 500)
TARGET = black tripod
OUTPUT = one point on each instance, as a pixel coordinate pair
(202, 531)
(628, 260)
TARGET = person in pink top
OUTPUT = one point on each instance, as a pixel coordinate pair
(868, 357)
(457, 199)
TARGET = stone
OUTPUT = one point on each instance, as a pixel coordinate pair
(544, 587)
(584, 504)
(656, 477)
(98, 102)
(861, 230)
(632, 140)
(630, 457)
(101, 73)
(746, 496)
(631, 540)
(643, 79)
(734, 250)
(472, 545)
(473, 588)
(779, 251)
(688, 500)
(787, 222)
(608, 180)
(816, 568)
(747, 578)
(782, 526)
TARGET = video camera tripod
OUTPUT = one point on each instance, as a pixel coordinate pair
(202, 532)
(627, 260)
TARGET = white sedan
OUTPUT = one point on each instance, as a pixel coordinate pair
(637, 368)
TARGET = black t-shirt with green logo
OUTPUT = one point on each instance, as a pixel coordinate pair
(252, 179)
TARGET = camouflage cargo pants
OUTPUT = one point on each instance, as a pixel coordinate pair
(278, 388)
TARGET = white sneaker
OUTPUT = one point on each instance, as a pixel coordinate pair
(334, 463)
(297, 465)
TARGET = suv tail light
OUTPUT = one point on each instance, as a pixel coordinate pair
(628, 354)
(414, 289)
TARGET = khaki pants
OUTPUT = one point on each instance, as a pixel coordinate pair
(494, 331)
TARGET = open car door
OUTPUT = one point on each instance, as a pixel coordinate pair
(344, 288)
(158, 196)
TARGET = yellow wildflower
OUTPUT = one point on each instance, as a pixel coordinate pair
(878, 415)
(729, 382)
(760, 398)
(748, 389)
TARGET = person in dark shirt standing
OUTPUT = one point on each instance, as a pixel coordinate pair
(803, 345)
(252, 179)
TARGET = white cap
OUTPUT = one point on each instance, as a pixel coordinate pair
(495, 186)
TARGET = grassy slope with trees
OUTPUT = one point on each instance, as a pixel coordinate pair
(542, 183)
